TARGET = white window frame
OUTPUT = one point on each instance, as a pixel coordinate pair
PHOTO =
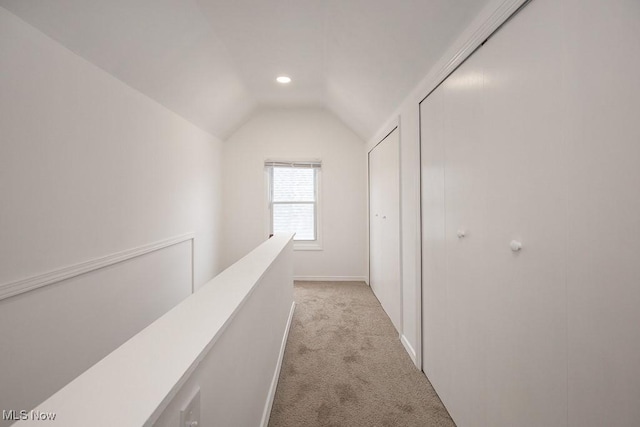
(298, 245)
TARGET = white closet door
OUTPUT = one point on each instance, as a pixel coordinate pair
(384, 189)
(376, 258)
(465, 238)
(496, 174)
(436, 341)
(527, 370)
(559, 167)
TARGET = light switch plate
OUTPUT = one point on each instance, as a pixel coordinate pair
(190, 412)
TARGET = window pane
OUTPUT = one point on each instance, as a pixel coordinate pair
(293, 185)
(295, 218)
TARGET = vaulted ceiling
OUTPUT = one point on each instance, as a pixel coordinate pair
(214, 61)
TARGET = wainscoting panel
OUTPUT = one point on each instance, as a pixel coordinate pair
(53, 333)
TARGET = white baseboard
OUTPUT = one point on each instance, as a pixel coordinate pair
(331, 278)
(409, 349)
(274, 382)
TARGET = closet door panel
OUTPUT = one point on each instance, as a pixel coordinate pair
(465, 236)
(375, 223)
(384, 168)
(436, 337)
(526, 370)
(390, 155)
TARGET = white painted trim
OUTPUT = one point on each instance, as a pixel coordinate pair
(331, 278)
(418, 267)
(489, 20)
(400, 227)
(409, 349)
(274, 382)
(481, 33)
(298, 245)
(384, 132)
(25, 285)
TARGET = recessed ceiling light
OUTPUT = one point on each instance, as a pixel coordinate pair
(284, 79)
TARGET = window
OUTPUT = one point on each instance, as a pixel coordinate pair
(293, 201)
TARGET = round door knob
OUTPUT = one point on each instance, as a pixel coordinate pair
(461, 234)
(515, 245)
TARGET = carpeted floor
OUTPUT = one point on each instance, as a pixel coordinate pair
(345, 366)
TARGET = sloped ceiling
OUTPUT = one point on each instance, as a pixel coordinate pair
(214, 61)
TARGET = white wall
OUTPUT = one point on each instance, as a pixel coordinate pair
(302, 133)
(90, 167)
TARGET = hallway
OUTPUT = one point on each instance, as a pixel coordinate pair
(447, 189)
(345, 366)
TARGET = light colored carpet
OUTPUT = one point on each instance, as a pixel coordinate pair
(345, 366)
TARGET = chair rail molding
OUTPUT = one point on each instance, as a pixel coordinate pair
(11, 289)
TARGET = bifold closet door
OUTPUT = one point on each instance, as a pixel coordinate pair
(454, 239)
(436, 340)
(526, 182)
(494, 317)
(384, 222)
(465, 238)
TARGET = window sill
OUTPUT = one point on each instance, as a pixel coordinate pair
(298, 246)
